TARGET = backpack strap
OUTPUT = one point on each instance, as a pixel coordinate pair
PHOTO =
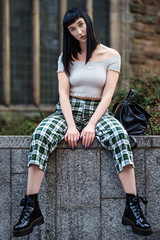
(131, 92)
(134, 141)
(114, 108)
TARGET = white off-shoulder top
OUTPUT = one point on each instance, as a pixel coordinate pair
(88, 80)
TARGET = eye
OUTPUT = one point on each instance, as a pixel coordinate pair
(81, 24)
(72, 29)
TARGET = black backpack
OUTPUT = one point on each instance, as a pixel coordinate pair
(132, 116)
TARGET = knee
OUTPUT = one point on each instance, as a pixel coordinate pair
(40, 133)
(121, 132)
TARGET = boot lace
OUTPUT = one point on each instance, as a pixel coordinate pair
(27, 207)
(137, 211)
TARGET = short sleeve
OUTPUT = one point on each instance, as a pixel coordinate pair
(60, 64)
(115, 63)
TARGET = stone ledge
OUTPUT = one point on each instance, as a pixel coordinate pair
(13, 142)
(81, 196)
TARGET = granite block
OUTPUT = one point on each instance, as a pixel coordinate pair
(78, 178)
(111, 185)
(5, 165)
(5, 207)
(156, 141)
(21, 238)
(19, 186)
(154, 236)
(19, 160)
(114, 188)
(51, 163)
(64, 145)
(70, 197)
(78, 223)
(36, 234)
(15, 141)
(143, 141)
(153, 188)
(139, 160)
(112, 228)
(47, 201)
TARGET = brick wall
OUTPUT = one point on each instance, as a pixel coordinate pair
(144, 36)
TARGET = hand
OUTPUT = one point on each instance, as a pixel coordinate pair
(72, 136)
(88, 135)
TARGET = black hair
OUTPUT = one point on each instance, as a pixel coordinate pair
(71, 46)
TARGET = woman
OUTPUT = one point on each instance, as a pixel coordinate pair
(87, 73)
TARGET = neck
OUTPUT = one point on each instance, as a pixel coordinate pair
(83, 47)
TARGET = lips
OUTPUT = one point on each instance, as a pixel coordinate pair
(83, 37)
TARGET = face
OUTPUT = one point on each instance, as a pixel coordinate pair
(78, 30)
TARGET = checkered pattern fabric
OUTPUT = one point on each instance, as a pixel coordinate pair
(109, 132)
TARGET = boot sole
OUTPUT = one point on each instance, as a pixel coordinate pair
(37, 222)
(139, 231)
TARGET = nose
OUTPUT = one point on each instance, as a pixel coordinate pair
(79, 31)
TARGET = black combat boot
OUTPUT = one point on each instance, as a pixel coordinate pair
(134, 217)
(31, 216)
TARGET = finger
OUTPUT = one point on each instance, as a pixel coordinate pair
(66, 138)
(78, 136)
(91, 139)
(81, 135)
(75, 141)
(72, 141)
(88, 140)
(83, 138)
(69, 140)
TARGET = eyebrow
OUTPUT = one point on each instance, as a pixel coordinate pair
(77, 23)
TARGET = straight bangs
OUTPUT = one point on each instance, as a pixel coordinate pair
(71, 17)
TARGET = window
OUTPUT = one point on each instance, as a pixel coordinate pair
(1, 85)
(76, 3)
(101, 16)
(21, 51)
(49, 50)
(21, 47)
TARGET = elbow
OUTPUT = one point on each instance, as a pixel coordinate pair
(107, 99)
(63, 94)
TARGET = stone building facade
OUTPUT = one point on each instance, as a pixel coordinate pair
(145, 36)
(31, 41)
(135, 33)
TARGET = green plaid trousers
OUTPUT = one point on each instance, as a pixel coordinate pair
(109, 132)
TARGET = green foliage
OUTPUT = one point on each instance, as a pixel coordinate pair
(21, 127)
(16, 127)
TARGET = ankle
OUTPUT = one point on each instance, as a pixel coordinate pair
(31, 194)
(132, 194)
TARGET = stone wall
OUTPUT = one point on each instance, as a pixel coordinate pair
(144, 36)
(81, 196)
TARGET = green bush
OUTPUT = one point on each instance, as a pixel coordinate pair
(16, 127)
(21, 127)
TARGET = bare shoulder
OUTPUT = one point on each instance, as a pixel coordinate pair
(103, 52)
(108, 52)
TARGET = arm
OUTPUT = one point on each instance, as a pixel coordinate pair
(72, 134)
(108, 91)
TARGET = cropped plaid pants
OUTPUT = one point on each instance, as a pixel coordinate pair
(109, 132)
